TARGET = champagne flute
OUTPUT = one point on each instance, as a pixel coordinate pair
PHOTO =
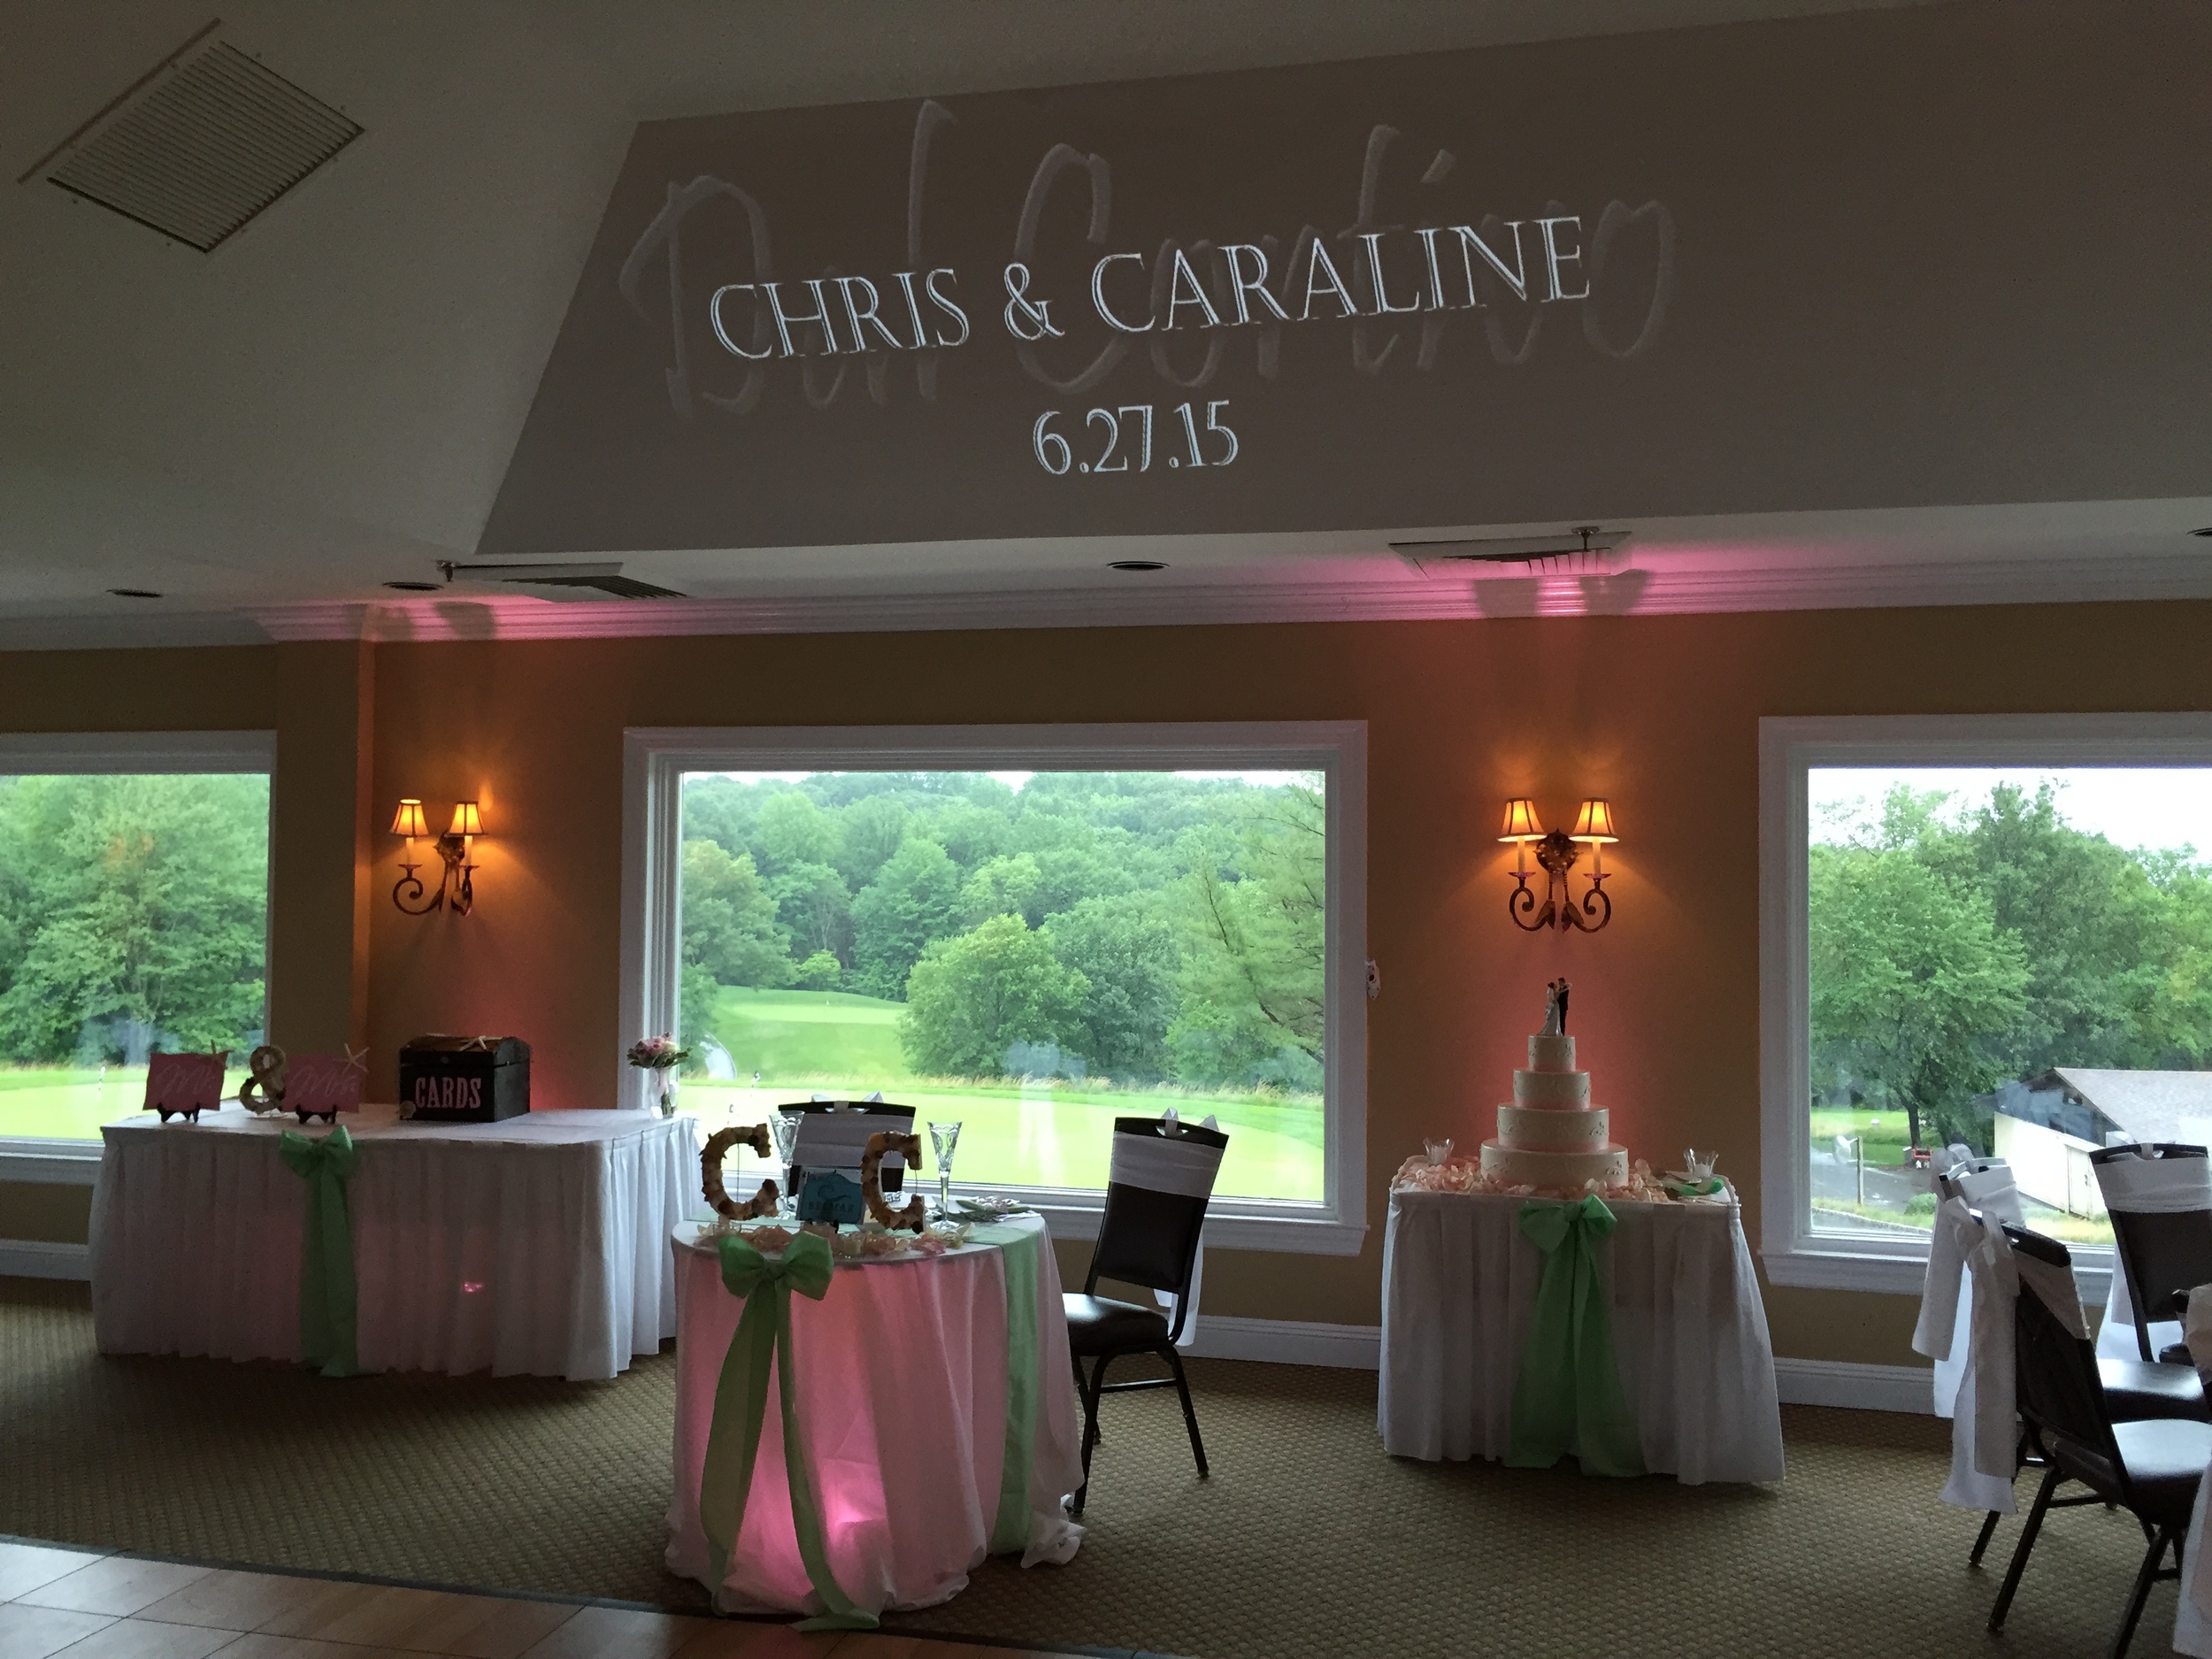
(783, 1127)
(942, 1138)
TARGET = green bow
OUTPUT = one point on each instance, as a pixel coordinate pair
(741, 1405)
(327, 1291)
(1568, 1398)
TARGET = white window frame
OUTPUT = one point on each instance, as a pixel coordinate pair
(1788, 749)
(25, 754)
(655, 760)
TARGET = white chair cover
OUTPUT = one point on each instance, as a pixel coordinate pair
(2146, 1186)
(1947, 1298)
(2192, 1613)
(1185, 1168)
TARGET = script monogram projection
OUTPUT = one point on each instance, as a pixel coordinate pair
(1400, 285)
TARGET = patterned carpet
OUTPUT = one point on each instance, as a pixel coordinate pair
(1308, 1543)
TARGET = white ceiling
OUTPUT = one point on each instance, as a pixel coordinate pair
(329, 401)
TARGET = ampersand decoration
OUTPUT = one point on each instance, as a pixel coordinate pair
(263, 1091)
(872, 1180)
(718, 1144)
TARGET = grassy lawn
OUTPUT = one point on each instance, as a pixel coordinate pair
(804, 1042)
(1884, 1132)
(809, 1033)
(71, 1102)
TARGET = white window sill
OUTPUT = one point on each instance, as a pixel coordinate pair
(1842, 1267)
(50, 1163)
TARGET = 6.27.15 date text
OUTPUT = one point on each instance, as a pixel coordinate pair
(1128, 431)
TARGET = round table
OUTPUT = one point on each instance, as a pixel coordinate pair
(902, 1375)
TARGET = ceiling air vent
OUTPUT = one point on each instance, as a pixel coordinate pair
(561, 581)
(1585, 547)
(202, 143)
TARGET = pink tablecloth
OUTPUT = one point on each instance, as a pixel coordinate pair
(903, 1383)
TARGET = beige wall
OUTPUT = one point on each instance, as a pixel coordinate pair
(1659, 714)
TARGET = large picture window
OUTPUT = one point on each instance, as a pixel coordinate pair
(1027, 932)
(134, 919)
(1994, 936)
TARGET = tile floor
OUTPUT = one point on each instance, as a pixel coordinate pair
(83, 1605)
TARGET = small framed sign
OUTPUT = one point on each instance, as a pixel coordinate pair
(322, 1086)
(185, 1085)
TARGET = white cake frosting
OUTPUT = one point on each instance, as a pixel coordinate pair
(1551, 1137)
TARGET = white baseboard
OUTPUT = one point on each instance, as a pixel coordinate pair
(1836, 1382)
(1288, 1341)
(32, 1258)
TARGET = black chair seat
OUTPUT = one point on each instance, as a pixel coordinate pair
(1099, 1325)
(2165, 1459)
(2177, 1354)
(2135, 1389)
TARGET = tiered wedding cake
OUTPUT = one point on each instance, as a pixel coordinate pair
(1551, 1136)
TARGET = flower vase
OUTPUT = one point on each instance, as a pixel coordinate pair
(664, 1096)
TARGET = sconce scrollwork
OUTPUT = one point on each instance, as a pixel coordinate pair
(1556, 854)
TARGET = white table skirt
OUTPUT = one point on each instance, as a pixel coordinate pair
(902, 1379)
(1689, 1332)
(535, 1246)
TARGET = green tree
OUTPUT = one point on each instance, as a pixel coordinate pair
(1127, 952)
(699, 1000)
(815, 910)
(793, 831)
(820, 972)
(134, 899)
(1254, 991)
(971, 998)
(868, 832)
(1003, 885)
(729, 920)
(1911, 979)
(915, 898)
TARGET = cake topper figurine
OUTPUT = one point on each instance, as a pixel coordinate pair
(1556, 1008)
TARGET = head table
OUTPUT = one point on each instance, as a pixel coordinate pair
(937, 1416)
(1693, 1365)
(532, 1246)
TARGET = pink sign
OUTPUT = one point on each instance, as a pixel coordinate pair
(323, 1083)
(186, 1083)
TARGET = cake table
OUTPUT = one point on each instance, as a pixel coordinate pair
(1689, 1331)
(904, 1373)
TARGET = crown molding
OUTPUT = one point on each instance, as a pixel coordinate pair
(1397, 598)
(1400, 598)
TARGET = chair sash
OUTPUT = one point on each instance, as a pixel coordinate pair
(2147, 1185)
(1992, 1190)
(1185, 1168)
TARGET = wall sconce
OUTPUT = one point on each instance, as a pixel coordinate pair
(1557, 853)
(457, 886)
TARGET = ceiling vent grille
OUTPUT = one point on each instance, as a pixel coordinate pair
(561, 581)
(200, 146)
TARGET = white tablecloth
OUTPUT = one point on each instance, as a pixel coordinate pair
(536, 1246)
(1689, 1332)
(902, 1379)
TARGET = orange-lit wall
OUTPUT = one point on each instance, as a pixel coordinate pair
(1659, 714)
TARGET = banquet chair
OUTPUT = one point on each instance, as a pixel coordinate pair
(1157, 1185)
(2167, 1252)
(2149, 1467)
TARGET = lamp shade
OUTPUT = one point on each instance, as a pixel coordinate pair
(466, 820)
(1595, 823)
(1520, 822)
(408, 820)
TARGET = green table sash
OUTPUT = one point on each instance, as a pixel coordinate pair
(741, 1405)
(1018, 1246)
(1568, 1398)
(328, 1294)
